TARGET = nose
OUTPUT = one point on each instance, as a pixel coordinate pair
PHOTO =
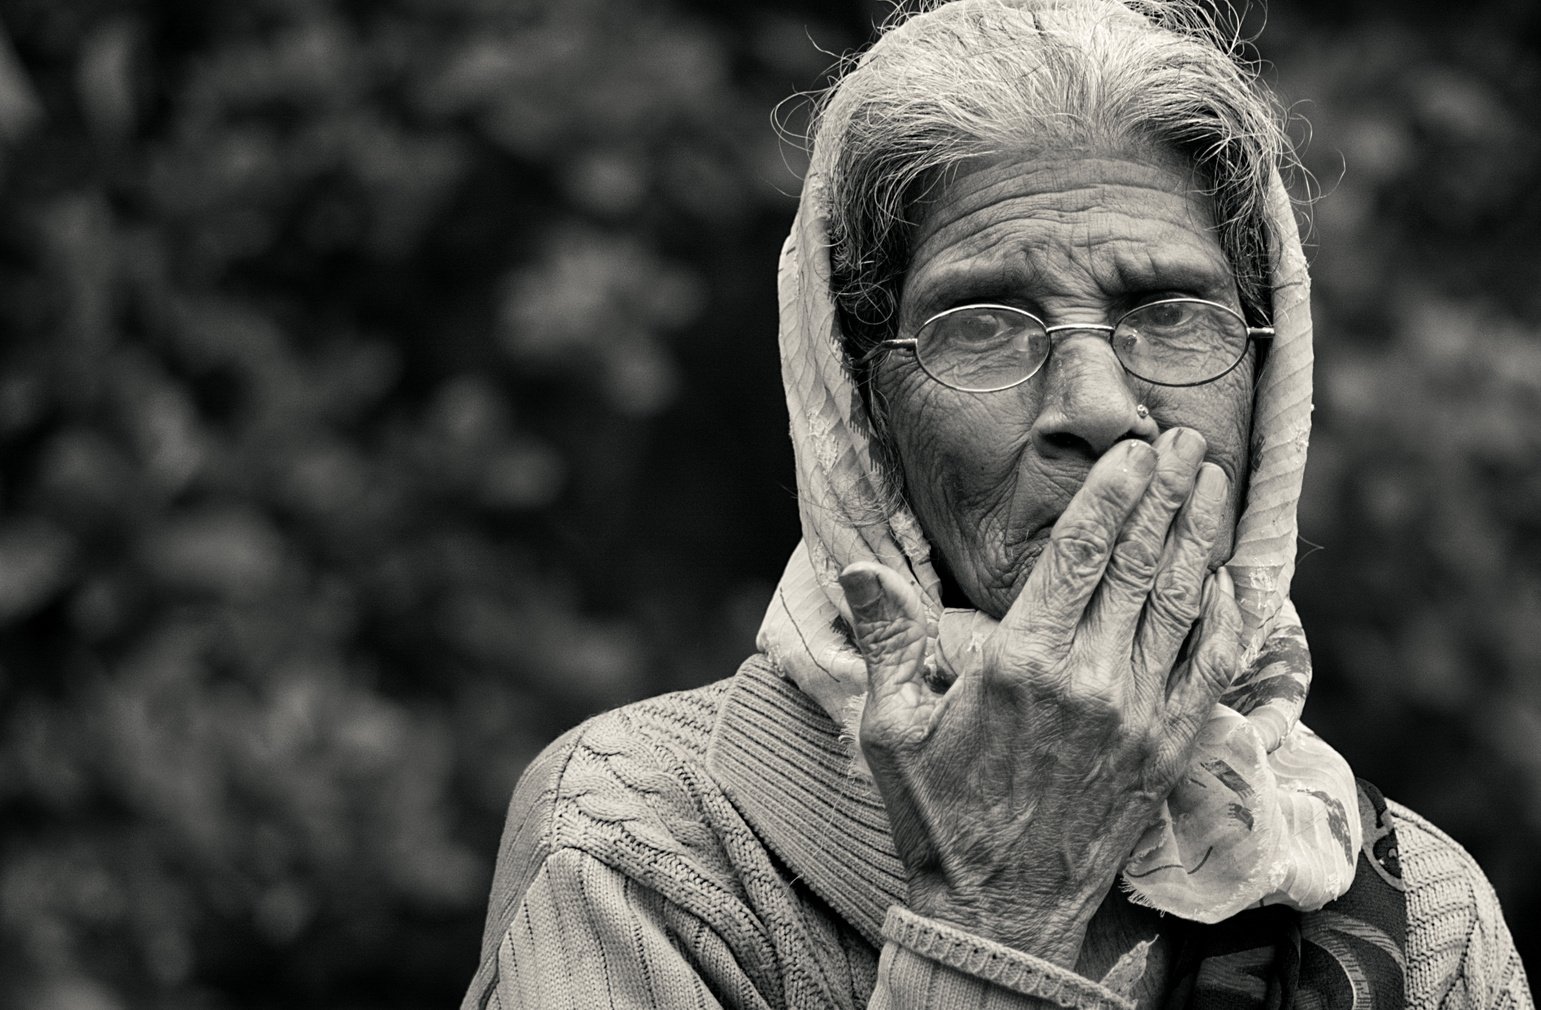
(1087, 404)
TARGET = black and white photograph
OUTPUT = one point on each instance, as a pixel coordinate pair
(770, 504)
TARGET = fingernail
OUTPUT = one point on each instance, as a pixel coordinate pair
(860, 586)
(1141, 457)
(1227, 584)
(1189, 445)
(1211, 483)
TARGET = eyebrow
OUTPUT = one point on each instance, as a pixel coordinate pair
(989, 276)
(1171, 267)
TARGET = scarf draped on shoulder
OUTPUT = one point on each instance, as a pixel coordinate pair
(1268, 812)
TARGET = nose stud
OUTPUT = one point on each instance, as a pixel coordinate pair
(1142, 410)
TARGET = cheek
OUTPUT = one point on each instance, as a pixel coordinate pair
(1220, 411)
(958, 453)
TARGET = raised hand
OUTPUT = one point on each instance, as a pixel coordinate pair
(1017, 793)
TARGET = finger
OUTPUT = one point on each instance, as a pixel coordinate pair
(1056, 594)
(1137, 552)
(888, 623)
(1176, 593)
(1213, 660)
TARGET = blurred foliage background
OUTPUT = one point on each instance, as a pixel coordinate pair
(387, 386)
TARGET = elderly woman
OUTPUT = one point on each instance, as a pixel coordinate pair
(1023, 728)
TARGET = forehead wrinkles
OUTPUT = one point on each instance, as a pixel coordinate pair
(1002, 212)
(1000, 196)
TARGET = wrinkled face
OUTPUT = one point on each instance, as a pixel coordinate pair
(1078, 238)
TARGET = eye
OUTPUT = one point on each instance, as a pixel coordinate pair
(981, 348)
(1166, 315)
(974, 327)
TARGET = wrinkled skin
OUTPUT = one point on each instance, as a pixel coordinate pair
(1083, 533)
(1072, 240)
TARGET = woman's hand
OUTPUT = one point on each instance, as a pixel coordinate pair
(1017, 794)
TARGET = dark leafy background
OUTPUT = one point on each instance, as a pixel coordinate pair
(386, 386)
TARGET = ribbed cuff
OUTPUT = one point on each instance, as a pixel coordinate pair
(998, 964)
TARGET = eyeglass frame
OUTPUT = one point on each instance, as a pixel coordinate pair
(913, 343)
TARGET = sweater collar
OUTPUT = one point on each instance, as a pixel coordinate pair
(784, 765)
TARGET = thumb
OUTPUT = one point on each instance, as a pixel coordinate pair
(888, 623)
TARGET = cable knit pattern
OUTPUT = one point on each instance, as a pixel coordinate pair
(638, 869)
(1459, 953)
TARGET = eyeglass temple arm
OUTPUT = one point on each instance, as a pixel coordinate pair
(885, 345)
(1260, 332)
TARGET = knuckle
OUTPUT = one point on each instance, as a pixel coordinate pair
(1200, 524)
(1175, 596)
(1170, 489)
(1135, 560)
(1081, 547)
(1108, 502)
(1096, 709)
(1139, 744)
(884, 638)
(1151, 746)
(1125, 734)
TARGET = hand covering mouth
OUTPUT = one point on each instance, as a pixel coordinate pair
(1299, 794)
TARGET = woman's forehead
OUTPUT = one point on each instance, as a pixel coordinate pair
(1118, 219)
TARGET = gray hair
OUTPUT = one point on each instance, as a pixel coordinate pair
(978, 77)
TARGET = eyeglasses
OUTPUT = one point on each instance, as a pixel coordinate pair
(988, 348)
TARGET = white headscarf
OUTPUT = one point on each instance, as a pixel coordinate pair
(1268, 811)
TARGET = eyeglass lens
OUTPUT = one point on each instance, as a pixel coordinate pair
(983, 348)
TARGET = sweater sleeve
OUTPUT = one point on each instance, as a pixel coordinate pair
(611, 891)
(584, 936)
(568, 929)
(1491, 972)
(1460, 955)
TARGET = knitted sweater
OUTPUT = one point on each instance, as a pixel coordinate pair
(710, 849)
